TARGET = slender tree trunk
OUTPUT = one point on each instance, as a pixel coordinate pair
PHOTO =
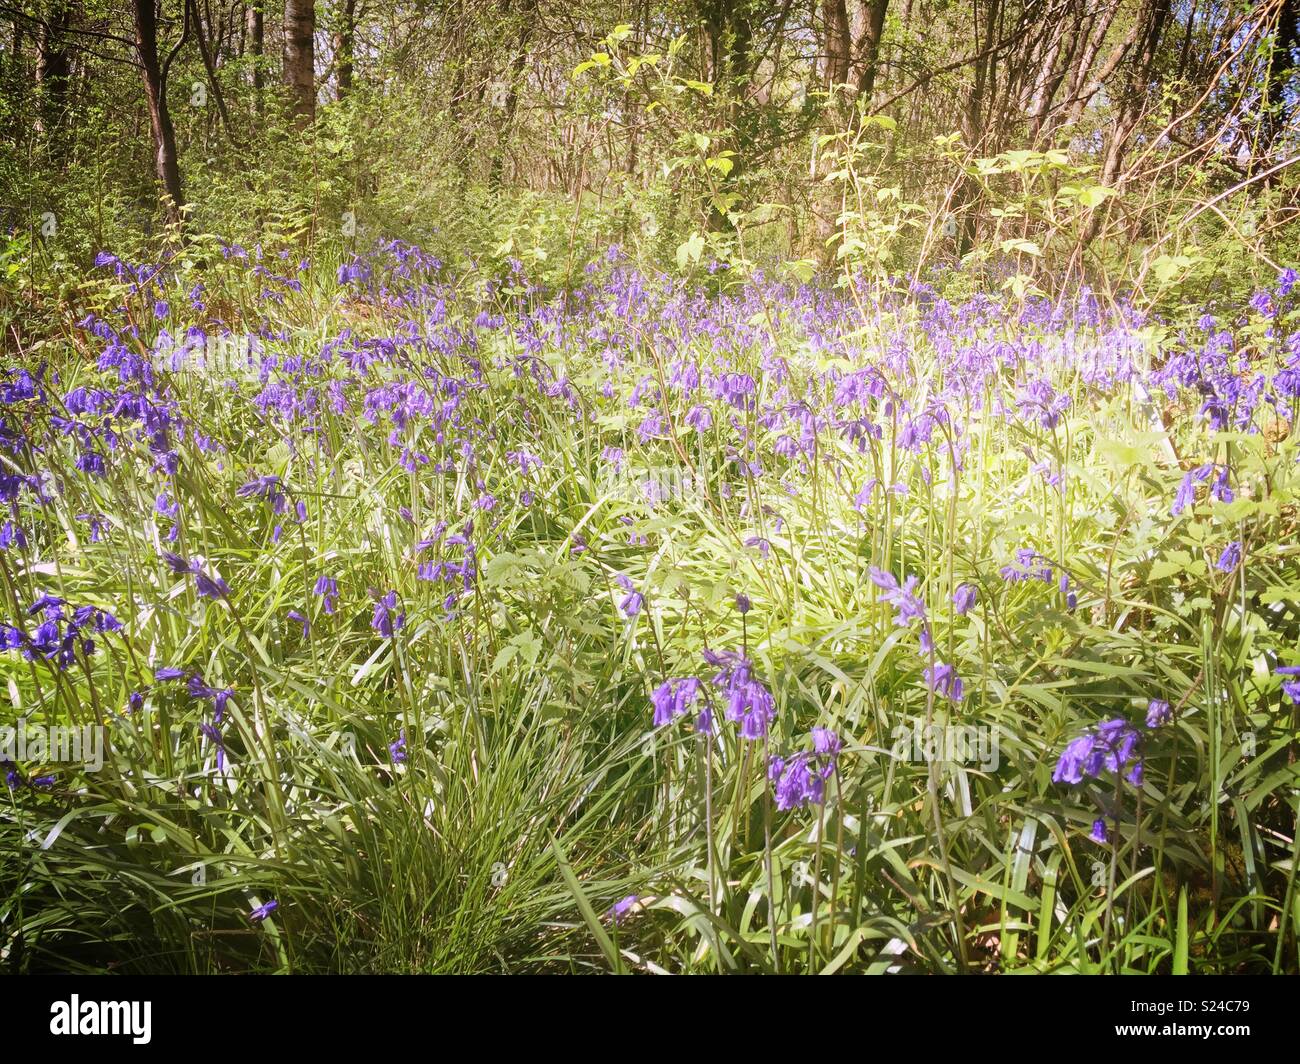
(1152, 22)
(254, 27)
(210, 67)
(14, 81)
(1047, 80)
(1150, 26)
(343, 47)
(1281, 65)
(1082, 90)
(155, 90)
(300, 59)
(836, 44)
(868, 28)
(966, 198)
(527, 9)
(53, 69)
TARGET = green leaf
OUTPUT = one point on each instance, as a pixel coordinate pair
(690, 251)
(1180, 935)
(1095, 195)
(588, 913)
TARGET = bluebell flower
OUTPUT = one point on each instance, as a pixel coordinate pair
(621, 909)
(1291, 686)
(328, 589)
(386, 619)
(747, 700)
(632, 602)
(903, 598)
(796, 782)
(1112, 747)
(266, 487)
(800, 780)
(1230, 558)
(674, 698)
(943, 681)
(263, 911)
(963, 599)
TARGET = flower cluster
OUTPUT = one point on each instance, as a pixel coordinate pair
(1112, 747)
(207, 585)
(748, 701)
(800, 779)
(674, 698)
(62, 632)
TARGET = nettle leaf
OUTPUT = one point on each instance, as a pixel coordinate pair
(802, 269)
(1025, 247)
(1167, 267)
(1096, 195)
(598, 59)
(1020, 159)
(690, 251)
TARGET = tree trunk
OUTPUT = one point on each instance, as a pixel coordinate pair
(210, 67)
(1152, 22)
(254, 27)
(835, 46)
(527, 9)
(1281, 65)
(1150, 26)
(300, 59)
(343, 47)
(53, 68)
(155, 90)
(974, 128)
(868, 27)
(1082, 90)
(851, 31)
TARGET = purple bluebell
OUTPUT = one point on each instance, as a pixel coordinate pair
(632, 602)
(674, 698)
(386, 619)
(263, 911)
(619, 912)
(1290, 686)
(902, 597)
(963, 599)
(1230, 558)
(1112, 746)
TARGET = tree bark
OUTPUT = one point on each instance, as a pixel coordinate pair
(300, 59)
(210, 68)
(53, 68)
(343, 47)
(1281, 65)
(166, 166)
(254, 27)
(527, 9)
(868, 28)
(1152, 23)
